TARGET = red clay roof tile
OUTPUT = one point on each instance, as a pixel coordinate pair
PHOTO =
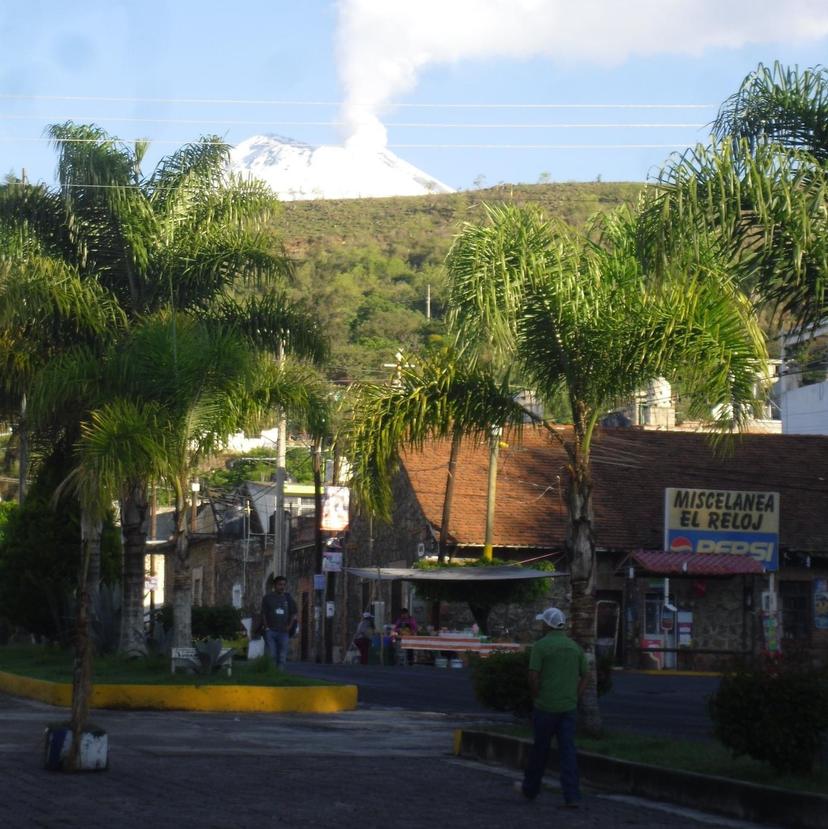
(630, 470)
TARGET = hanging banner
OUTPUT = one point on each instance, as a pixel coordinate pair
(335, 509)
(723, 521)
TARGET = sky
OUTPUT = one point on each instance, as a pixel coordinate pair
(474, 92)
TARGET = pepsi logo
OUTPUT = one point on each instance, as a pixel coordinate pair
(681, 544)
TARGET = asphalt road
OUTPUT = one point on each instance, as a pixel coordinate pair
(644, 703)
(372, 768)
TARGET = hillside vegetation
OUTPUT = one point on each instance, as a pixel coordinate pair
(365, 265)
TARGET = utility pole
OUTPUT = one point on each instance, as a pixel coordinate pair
(22, 435)
(330, 592)
(279, 552)
(494, 445)
(428, 301)
(319, 593)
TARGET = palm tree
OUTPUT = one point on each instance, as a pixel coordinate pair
(116, 443)
(779, 105)
(583, 316)
(437, 396)
(758, 192)
(202, 380)
(189, 236)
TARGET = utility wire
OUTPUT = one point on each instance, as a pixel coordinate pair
(389, 124)
(180, 141)
(271, 102)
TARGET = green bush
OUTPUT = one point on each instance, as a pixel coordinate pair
(220, 622)
(500, 681)
(775, 711)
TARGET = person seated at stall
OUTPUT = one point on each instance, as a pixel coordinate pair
(406, 625)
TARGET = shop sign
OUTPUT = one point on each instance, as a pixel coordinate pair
(335, 509)
(332, 561)
(821, 604)
(736, 522)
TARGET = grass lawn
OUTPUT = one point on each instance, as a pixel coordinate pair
(687, 755)
(55, 665)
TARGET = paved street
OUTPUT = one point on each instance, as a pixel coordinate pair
(673, 705)
(374, 767)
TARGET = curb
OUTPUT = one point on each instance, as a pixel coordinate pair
(732, 798)
(306, 699)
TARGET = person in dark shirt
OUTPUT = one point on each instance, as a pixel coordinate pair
(279, 615)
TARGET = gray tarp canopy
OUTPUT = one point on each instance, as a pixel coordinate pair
(505, 573)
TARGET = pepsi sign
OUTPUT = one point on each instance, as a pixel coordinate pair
(728, 522)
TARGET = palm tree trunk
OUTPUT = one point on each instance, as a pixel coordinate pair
(82, 667)
(134, 508)
(91, 537)
(448, 498)
(581, 544)
(448, 503)
(182, 577)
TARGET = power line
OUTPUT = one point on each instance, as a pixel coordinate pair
(389, 124)
(393, 146)
(283, 102)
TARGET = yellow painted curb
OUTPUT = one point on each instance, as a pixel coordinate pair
(307, 699)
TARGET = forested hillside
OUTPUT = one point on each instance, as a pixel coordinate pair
(365, 265)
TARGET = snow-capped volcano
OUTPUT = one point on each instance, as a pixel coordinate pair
(299, 171)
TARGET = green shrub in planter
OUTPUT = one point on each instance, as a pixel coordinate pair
(775, 711)
(500, 681)
(221, 622)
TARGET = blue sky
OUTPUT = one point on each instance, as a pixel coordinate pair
(284, 67)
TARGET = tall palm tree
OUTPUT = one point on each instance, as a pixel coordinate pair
(583, 316)
(189, 236)
(201, 380)
(758, 192)
(118, 441)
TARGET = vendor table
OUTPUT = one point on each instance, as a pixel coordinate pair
(456, 643)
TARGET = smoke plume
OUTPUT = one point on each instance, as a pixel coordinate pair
(383, 45)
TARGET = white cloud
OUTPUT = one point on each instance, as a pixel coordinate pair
(382, 45)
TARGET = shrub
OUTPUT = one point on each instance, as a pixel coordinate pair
(220, 622)
(500, 682)
(775, 711)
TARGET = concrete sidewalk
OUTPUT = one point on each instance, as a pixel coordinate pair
(365, 768)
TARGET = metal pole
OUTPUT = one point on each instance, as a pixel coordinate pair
(279, 524)
(494, 445)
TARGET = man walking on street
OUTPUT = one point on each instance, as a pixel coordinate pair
(557, 678)
(279, 613)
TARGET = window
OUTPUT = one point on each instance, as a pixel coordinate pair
(795, 597)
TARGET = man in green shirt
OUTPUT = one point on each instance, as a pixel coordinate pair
(557, 678)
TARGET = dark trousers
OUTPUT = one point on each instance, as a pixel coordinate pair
(545, 726)
(364, 645)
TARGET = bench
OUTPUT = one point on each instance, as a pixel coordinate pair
(189, 659)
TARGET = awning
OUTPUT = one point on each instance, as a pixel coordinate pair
(504, 573)
(694, 564)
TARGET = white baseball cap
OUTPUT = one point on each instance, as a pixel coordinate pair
(553, 617)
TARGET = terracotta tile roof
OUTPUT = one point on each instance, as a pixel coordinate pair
(695, 564)
(630, 468)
